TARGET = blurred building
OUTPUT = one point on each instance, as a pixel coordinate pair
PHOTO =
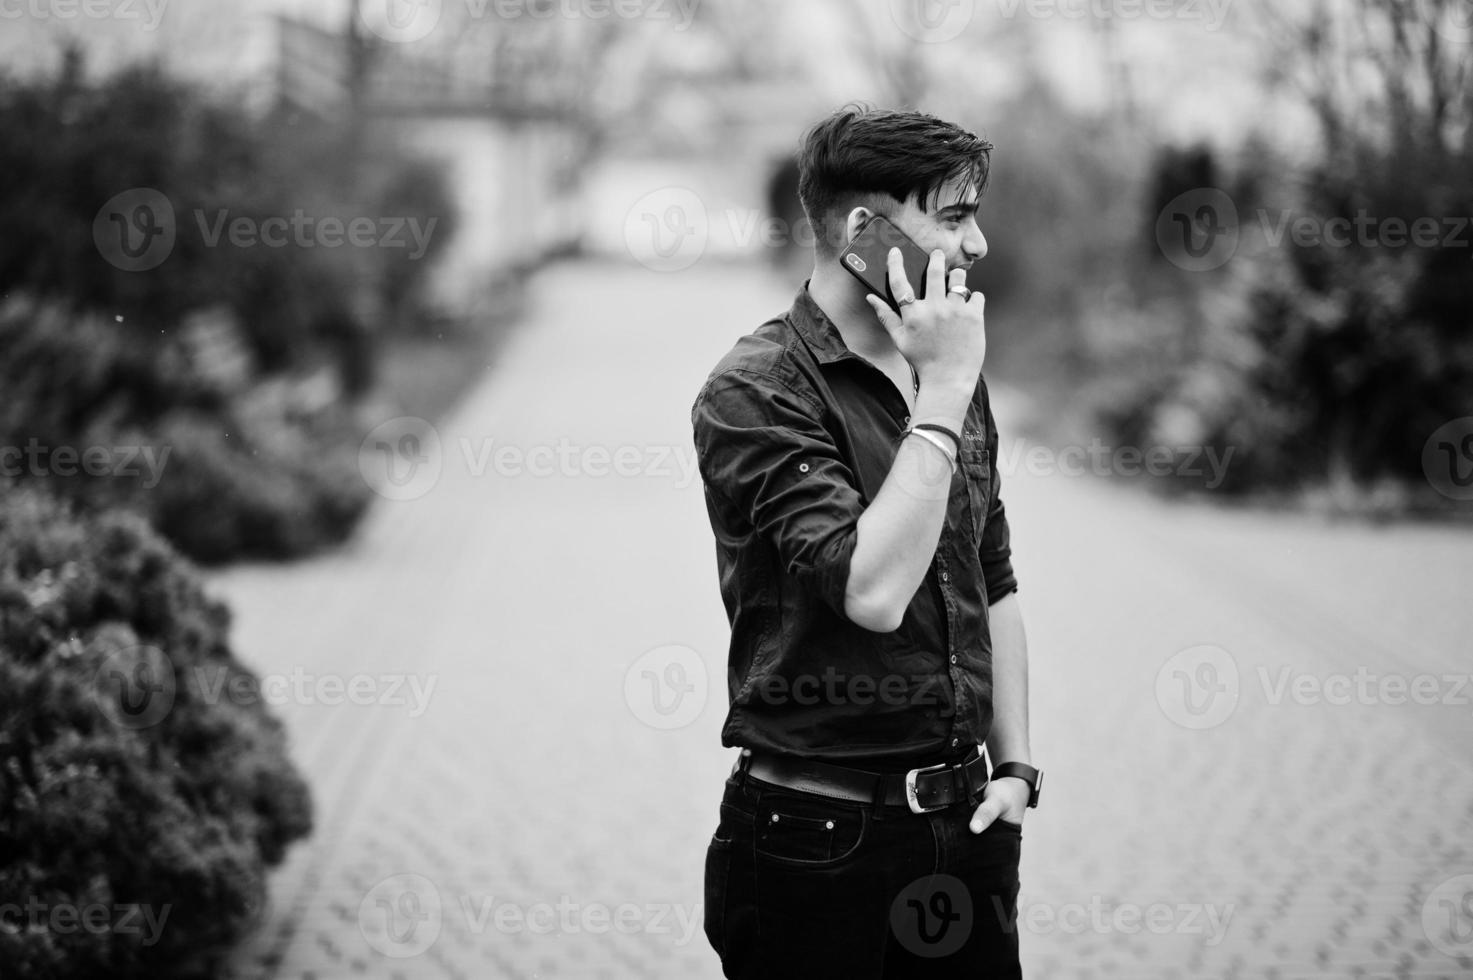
(507, 147)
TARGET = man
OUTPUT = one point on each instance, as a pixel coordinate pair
(864, 561)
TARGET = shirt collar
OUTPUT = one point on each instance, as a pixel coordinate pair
(816, 329)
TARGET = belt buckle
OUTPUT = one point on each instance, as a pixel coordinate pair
(910, 788)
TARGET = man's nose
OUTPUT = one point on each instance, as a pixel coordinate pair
(975, 243)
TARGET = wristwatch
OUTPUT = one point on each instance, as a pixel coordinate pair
(1033, 777)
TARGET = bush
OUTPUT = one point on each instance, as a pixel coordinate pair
(1326, 363)
(267, 470)
(219, 355)
(112, 795)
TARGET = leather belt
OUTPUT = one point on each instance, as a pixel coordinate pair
(922, 790)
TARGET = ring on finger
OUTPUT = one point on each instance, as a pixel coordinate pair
(961, 291)
(905, 300)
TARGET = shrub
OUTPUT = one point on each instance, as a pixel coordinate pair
(233, 471)
(1327, 362)
(123, 783)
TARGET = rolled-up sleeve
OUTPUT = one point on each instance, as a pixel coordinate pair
(995, 550)
(763, 450)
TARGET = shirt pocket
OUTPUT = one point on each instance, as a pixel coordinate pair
(975, 467)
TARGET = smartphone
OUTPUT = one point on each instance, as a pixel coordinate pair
(867, 258)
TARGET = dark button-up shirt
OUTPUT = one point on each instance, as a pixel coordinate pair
(795, 434)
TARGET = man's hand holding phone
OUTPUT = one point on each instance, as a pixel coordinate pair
(944, 335)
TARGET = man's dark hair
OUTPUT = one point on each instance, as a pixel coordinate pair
(861, 155)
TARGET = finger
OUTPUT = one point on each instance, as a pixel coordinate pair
(887, 316)
(899, 284)
(936, 274)
(983, 816)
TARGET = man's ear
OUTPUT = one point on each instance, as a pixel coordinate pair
(856, 219)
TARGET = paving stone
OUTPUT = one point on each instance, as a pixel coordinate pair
(1315, 832)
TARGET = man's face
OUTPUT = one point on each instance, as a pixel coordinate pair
(951, 226)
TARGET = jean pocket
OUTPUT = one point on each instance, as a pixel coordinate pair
(808, 831)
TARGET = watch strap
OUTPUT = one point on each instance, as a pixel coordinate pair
(1021, 770)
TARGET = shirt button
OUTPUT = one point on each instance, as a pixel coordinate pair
(945, 576)
(955, 742)
(802, 467)
(907, 420)
(953, 658)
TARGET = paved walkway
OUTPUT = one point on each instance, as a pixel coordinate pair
(525, 775)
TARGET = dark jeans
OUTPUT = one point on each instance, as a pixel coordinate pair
(798, 885)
